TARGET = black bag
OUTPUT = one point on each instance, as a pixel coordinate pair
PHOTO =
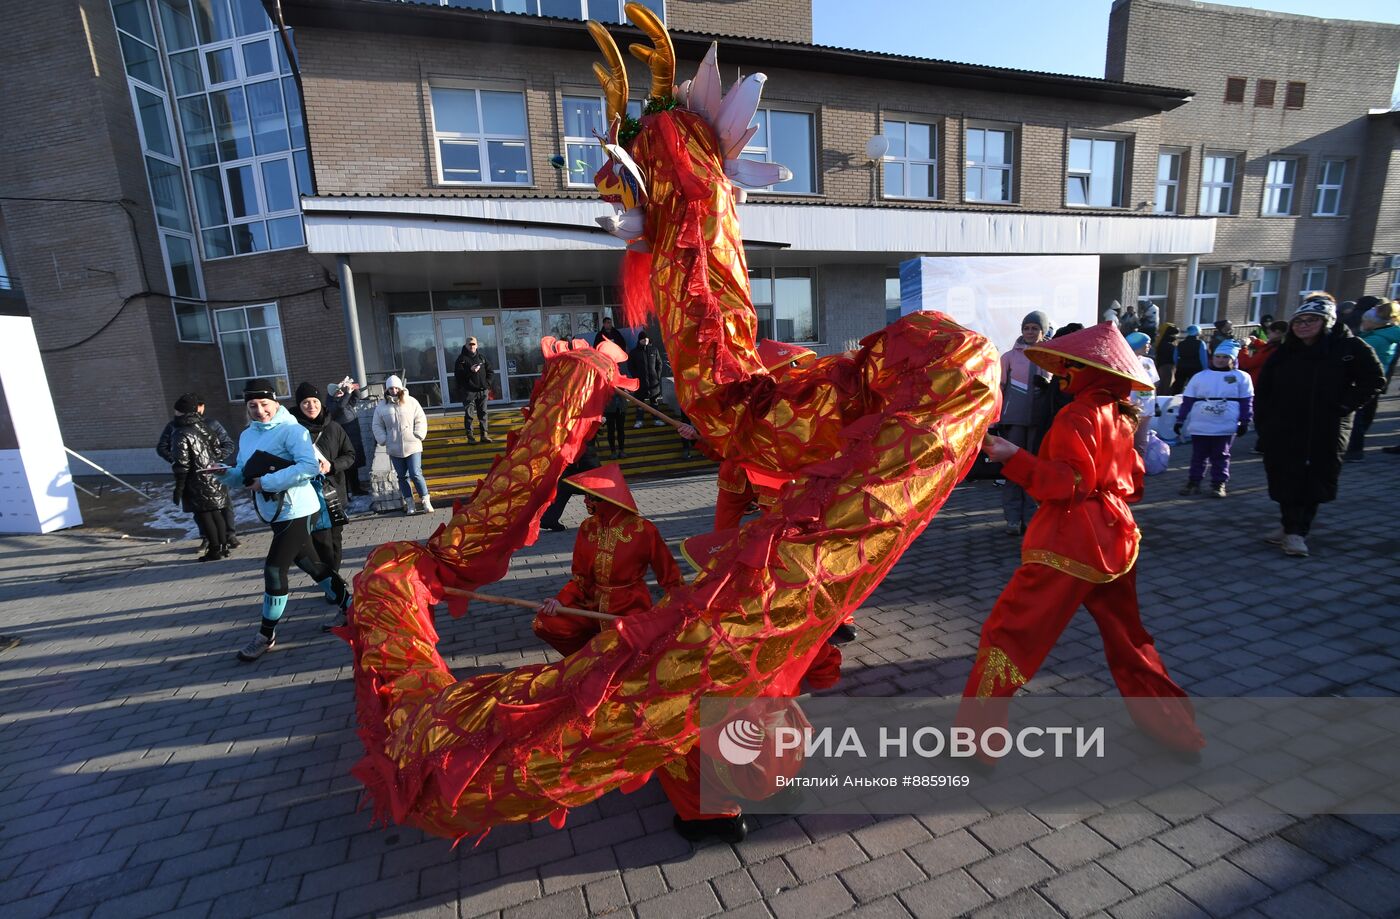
(262, 463)
(330, 497)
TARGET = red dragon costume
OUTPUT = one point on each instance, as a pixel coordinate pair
(1081, 546)
(871, 444)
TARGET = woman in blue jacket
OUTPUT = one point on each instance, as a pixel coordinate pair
(287, 500)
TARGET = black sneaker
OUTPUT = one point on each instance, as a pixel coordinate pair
(233, 542)
(1354, 457)
(845, 632)
(732, 830)
(556, 527)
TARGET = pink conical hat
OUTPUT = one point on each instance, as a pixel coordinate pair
(1101, 346)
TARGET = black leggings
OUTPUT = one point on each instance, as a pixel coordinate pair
(617, 430)
(327, 545)
(291, 542)
(213, 526)
(1298, 518)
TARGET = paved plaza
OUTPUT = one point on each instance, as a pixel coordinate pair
(144, 771)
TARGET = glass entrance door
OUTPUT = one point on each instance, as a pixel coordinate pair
(453, 331)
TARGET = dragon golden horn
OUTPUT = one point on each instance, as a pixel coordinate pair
(661, 57)
(613, 78)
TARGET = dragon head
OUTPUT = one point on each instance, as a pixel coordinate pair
(729, 115)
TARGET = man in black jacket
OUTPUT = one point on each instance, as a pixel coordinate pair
(165, 447)
(473, 372)
(644, 363)
(612, 333)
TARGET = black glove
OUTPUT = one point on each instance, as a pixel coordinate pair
(1176, 428)
(177, 497)
(1240, 431)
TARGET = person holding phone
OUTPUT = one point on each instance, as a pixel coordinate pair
(277, 461)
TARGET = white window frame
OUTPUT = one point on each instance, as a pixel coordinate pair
(1173, 184)
(1323, 186)
(1394, 284)
(482, 139)
(175, 304)
(1120, 169)
(1199, 297)
(983, 166)
(906, 161)
(1228, 187)
(770, 275)
(1144, 283)
(588, 8)
(1257, 293)
(1279, 188)
(634, 109)
(765, 154)
(1309, 273)
(285, 375)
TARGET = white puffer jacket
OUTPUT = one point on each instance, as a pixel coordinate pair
(401, 426)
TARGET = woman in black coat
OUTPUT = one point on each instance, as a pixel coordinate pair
(1308, 391)
(195, 452)
(337, 455)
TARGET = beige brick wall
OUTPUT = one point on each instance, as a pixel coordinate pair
(1199, 45)
(783, 20)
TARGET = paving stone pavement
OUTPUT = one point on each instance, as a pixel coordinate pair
(144, 771)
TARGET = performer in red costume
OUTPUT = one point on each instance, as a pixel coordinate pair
(614, 547)
(736, 490)
(1081, 546)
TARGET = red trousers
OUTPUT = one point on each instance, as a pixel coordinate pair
(1029, 617)
(729, 507)
(564, 632)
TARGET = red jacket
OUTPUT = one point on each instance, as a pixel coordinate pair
(1254, 355)
(1084, 477)
(612, 552)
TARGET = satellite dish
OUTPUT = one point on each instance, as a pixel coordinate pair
(877, 147)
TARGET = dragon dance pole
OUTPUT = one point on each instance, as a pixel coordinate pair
(526, 604)
(647, 408)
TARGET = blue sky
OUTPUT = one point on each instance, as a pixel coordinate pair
(1058, 36)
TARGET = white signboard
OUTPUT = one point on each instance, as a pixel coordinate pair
(36, 488)
(991, 294)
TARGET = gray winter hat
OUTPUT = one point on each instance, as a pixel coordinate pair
(1318, 306)
(1040, 319)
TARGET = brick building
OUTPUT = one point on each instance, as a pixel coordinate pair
(1288, 143)
(190, 221)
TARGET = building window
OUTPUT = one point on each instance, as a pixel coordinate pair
(787, 138)
(1234, 89)
(784, 301)
(584, 118)
(481, 136)
(1394, 283)
(911, 165)
(990, 155)
(1264, 93)
(1294, 95)
(6, 282)
(1152, 290)
(607, 11)
(893, 297)
(1168, 199)
(1095, 172)
(1218, 184)
(1330, 177)
(1278, 187)
(250, 339)
(1314, 278)
(1205, 304)
(241, 124)
(1263, 296)
(192, 322)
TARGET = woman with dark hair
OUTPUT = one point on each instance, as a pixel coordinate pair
(196, 460)
(335, 457)
(1165, 358)
(1308, 392)
(277, 461)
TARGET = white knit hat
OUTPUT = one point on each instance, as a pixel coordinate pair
(393, 382)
